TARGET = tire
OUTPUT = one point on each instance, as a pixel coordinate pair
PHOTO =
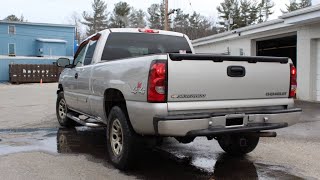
(238, 144)
(121, 139)
(61, 112)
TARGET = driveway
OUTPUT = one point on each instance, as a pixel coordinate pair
(32, 146)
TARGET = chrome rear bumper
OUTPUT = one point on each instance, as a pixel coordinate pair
(216, 123)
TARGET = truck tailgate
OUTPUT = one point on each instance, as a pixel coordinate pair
(214, 77)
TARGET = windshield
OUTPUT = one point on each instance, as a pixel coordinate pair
(124, 45)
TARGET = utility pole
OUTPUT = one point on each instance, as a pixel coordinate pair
(166, 21)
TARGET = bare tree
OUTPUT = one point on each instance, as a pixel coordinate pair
(76, 19)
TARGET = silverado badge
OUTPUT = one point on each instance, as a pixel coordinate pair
(189, 96)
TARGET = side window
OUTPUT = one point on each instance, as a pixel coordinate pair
(12, 49)
(90, 52)
(80, 57)
(11, 29)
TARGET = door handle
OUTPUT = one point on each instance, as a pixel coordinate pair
(236, 71)
(76, 75)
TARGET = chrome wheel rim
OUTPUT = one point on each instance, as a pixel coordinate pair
(116, 137)
(62, 109)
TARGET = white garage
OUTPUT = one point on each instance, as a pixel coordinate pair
(295, 35)
(318, 69)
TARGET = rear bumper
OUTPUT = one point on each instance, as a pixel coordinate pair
(215, 124)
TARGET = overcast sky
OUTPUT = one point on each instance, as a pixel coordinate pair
(59, 11)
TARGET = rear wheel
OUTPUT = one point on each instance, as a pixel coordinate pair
(238, 144)
(121, 140)
(62, 111)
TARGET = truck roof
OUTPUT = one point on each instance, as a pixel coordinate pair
(136, 30)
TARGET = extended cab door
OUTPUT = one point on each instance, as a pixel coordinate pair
(71, 79)
(84, 79)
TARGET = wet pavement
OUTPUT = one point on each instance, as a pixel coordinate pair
(169, 161)
(33, 147)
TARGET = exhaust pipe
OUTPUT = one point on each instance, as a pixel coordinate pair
(263, 134)
(267, 134)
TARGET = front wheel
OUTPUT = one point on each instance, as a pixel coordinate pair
(62, 111)
(238, 144)
(121, 140)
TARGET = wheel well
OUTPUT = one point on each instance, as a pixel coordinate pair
(114, 97)
(60, 88)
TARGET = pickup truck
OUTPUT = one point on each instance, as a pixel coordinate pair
(144, 83)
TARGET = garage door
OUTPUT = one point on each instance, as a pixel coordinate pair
(318, 70)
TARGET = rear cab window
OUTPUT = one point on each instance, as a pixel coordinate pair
(125, 45)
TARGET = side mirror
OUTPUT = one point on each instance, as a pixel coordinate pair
(63, 62)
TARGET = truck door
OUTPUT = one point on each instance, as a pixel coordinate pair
(84, 76)
(71, 82)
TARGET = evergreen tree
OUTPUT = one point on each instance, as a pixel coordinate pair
(98, 20)
(137, 19)
(305, 3)
(292, 6)
(180, 22)
(120, 16)
(240, 13)
(266, 6)
(162, 17)
(229, 13)
(154, 16)
(13, 17)
(199, 26)
(245, 13)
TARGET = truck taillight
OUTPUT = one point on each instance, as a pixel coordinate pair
(293, 81)
(157, 82)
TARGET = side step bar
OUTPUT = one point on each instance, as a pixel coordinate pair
(88, 124)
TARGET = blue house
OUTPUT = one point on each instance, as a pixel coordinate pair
(36, 39)
(33, 43)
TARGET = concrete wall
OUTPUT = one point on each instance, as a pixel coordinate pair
(234, 47)
(26, 35)
(307, 61)
(307, 36)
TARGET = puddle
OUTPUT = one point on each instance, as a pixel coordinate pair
(159, 163)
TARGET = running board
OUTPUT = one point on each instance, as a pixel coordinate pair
(88, 124)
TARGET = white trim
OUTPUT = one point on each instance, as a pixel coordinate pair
(51, 40)
(33, 57)
(14, 48)
(37, 24)
(14, 29)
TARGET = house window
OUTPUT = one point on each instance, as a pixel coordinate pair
(12, 29)
(12, 49)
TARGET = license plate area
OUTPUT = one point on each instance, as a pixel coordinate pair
(234, 121)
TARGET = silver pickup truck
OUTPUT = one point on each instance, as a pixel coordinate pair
(144, 83)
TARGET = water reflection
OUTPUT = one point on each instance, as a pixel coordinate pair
(154, 164)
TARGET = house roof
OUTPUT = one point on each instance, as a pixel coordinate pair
(37, 24)
(51, 40)
(306, 15)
